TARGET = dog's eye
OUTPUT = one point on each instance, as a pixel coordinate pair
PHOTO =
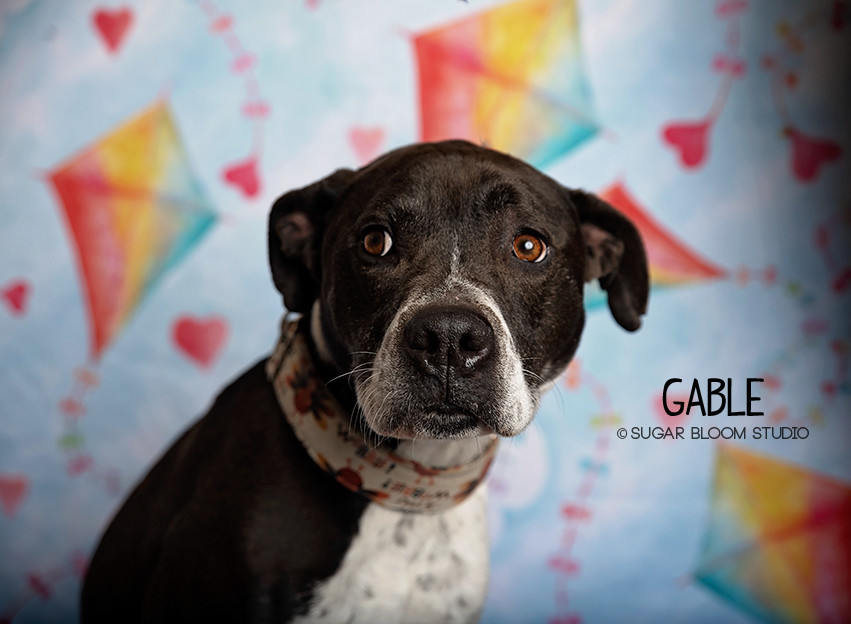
(529, 247)
(377, 241)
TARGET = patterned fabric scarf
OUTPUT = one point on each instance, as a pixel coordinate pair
(323, 427)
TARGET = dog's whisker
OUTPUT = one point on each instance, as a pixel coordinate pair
(354, 370)
(534, 375)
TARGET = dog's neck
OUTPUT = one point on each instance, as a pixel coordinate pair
(428, 451)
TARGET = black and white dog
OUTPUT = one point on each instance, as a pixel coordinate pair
(441, 288)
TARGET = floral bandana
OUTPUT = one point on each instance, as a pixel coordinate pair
(378, 473)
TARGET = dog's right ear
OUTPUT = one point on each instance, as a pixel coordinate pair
(296, 224)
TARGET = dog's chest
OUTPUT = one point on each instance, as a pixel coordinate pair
(410, 568)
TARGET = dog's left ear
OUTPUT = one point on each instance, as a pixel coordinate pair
(296, 224)
(615, 255)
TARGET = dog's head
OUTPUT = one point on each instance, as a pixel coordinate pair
(449, 278)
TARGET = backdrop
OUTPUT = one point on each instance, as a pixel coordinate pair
(143, 143)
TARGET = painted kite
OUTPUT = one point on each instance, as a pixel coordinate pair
(672, 262)
(778, 543)
(511, 78)
(134, 209)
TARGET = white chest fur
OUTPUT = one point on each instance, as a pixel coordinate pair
(410, 568)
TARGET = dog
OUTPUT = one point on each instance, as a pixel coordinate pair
(440, 289)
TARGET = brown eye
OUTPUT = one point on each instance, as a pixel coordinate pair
(377, 242)
(529, 247)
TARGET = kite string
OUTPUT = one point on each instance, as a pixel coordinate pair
(255, 108)
(563, 562)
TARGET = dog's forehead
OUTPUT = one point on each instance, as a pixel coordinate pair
(454, 179)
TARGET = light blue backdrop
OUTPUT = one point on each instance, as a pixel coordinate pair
(339, 80)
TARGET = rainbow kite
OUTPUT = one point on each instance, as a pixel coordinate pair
(672, 263)
(511, 78)
(778, 544)
(134, 209)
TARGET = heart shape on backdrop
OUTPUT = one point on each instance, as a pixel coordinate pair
(665, 419)
(690, 140)
(16, 296)
(13, 490)
(243, 175)
(112, 26)
(366, 143)
(200, 339)
(809, 154)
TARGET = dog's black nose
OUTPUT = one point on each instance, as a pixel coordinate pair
(442, 337)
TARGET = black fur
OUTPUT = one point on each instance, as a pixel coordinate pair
(235, 523)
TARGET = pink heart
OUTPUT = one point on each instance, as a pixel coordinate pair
(242, 63)
(79, 464)
(690, 140)
(727, 65)
(572, 511)
(258, 109)
(39, 585)
(243, 175)
(16, 296)
(13, 490)
(221, 24)
(809, 154)
(200, 339)
(728, 8)
(113, 26)
(366, 142)
(566, 566)
(665, 419)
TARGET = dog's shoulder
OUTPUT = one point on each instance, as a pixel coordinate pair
(237, 487)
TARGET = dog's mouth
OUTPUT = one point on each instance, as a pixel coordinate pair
(448, 410)
(447, 420)
(406, 408)
(441, 420)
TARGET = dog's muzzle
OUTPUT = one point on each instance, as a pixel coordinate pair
(447, 368)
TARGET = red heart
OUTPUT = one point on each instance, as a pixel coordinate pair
(200, 339)
(244, 176)
(113, 26)
(366, 142)
(690, 140)
(842, 281)
(13, 490)
(16, 295)
(809, 154)
(666, 419)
